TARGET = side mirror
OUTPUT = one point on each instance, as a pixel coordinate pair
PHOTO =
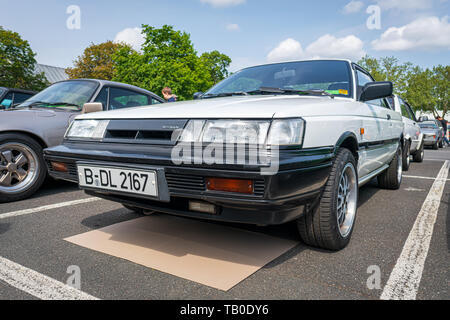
(376, 90)
(92, 107)
(198, 95)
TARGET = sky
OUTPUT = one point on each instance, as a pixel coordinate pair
(251, 32)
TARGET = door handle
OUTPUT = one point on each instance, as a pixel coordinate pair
(389, 117)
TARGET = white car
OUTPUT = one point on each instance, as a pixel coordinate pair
(412, 133)
(270, 144)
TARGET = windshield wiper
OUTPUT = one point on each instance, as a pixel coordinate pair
(263, 90)
(224, 94)
(42, 103)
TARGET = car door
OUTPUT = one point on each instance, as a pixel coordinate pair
(375, 149)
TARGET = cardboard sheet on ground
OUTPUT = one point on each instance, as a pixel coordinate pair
(214, 255)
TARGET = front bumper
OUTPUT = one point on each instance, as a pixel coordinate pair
(276, 199)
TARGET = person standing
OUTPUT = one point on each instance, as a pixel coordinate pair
(168, 95)
(445, 126)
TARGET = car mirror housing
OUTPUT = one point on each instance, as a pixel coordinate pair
(198, 95)
(376, 90)
(92, 107)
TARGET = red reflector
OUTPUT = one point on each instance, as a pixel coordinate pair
(230, 185)
(59, 166)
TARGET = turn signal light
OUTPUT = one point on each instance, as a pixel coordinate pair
(59, 166)
(230, 185)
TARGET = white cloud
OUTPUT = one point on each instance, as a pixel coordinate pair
(405, 4)
(353, 7)
(131, 36)
(223, 3)
(288, 49)
(233, 27)
(327, 46)
(423, 33)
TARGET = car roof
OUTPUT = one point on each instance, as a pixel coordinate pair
(293, 61)
(113, 84)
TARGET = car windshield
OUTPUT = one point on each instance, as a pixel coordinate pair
(428, 125)
(305, 77)
(68, 94)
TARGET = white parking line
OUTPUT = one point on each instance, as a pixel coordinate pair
(404, 280)
(37, 284)
(48, 207)
(419, 177)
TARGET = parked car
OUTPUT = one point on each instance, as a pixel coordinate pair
(41, 122)
(413, 144)
(322, 129)
(433, 133)
(10, 97)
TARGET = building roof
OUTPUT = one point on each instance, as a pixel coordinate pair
(53, 74)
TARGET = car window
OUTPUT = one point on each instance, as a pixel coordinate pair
(333, 77)
(123, 98)
(20, 97)
(7, 100)
(363, 79)
(155, 101)
(103, 97)
(404, 108)
(411, 112)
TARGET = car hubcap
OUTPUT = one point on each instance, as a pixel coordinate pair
(18, 167)
(399, 168)
(347, 200)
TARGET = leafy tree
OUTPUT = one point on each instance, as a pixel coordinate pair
(441, 89)
(388, 69)
(168, 58)
(420, 90)
(17, 63)
(217, 64)
(96, 62)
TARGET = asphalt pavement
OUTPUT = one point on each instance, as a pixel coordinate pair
(34, 258)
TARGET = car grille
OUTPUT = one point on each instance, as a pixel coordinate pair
(155, 131)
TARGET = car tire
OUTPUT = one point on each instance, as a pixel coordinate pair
(22, 167)
(419, 154)
(392, 177)
(327, 223)
(435, 146)
(406, 156)
(138, 210)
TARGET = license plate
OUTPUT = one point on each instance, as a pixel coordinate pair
(141, 182)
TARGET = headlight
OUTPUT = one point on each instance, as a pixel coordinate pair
(282, 132)
(286, 132)
(235, 131)
(88, 129)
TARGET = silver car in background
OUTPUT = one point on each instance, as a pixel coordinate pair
(412, 133)
(433, 133)
(41, 121)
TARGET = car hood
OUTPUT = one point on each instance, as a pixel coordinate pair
(242, 107)
(28, 113)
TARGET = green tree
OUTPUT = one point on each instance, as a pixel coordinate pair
(168, 58)
(17, 63)
(217, 64)
(420, 88)
(96, 62)
(441, 88)
(388, 69)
